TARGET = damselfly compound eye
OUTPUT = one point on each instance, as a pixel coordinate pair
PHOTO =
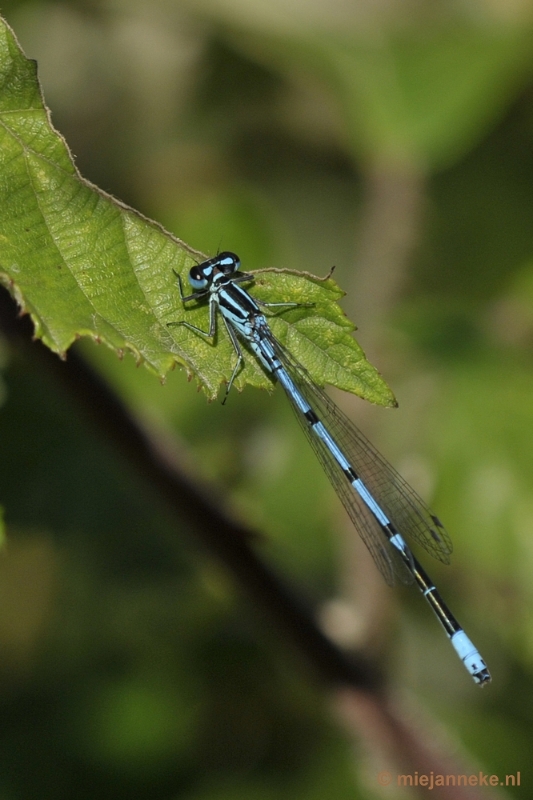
(197, 278)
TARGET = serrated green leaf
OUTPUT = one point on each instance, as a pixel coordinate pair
(84, 264)
(323, 341)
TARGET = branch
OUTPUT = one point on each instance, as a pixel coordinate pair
(225, 537)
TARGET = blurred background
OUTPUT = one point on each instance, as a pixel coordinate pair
(393, 140)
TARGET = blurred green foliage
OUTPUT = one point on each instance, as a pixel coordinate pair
(129, 665)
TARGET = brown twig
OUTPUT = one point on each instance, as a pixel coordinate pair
(225, 537)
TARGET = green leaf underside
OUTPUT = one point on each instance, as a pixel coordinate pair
(84, 264)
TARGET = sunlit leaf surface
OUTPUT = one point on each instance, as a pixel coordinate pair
(84, 264)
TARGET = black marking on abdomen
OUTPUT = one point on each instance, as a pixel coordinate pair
(311, 417)
(351, 475)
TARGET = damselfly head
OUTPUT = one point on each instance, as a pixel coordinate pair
(201, 276)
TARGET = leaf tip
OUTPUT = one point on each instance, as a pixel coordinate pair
(388, 399)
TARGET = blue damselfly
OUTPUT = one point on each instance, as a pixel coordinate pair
(382, 506)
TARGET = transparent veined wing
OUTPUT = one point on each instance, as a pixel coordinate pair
(401, 504)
